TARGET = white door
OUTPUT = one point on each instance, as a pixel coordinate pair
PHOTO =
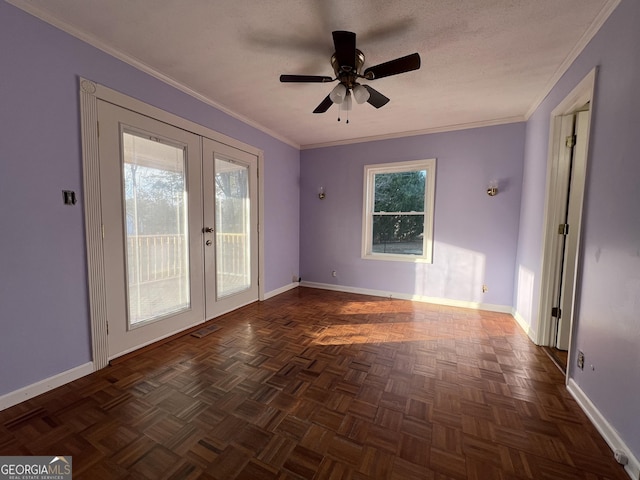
(574, 211)
(564, 168)
(230, 184)
(151, 195)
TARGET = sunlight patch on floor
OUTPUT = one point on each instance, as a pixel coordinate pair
(377, 333)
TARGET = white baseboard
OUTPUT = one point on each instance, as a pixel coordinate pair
(407, 296)
(280, 290)
(43, 386)
(525, 326)
(609, 434)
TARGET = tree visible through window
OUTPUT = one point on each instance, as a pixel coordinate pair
(399, 210)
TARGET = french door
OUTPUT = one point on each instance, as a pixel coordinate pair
(231, 227)
(151, 213)
(179, 224)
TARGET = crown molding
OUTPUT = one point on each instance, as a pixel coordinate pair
(46, 17)
(584, 40)
(413, 133)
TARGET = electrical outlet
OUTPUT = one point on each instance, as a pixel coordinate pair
(334, 273)
(580, 360)
(621, 457)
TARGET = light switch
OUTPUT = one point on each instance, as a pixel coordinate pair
(69, 197)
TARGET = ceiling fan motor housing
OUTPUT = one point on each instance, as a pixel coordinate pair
(344, 73)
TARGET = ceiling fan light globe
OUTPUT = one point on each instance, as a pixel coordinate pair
(360, 94)
(338, 93)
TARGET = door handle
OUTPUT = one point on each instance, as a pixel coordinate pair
(208, 242)
(207, 230)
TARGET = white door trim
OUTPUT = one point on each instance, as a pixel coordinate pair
(582, 94)
(93, 223)
(90, 93)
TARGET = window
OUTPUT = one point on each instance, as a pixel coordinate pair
(398, 211)
(156, 236)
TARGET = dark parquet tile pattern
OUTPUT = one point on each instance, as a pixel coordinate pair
(313, 384)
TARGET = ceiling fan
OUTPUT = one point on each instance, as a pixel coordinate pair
(347, 61)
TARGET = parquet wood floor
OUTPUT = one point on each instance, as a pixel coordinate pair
(314, 384)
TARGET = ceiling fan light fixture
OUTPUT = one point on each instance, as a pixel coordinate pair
(360, 94)
(338, 93)
(347, 62)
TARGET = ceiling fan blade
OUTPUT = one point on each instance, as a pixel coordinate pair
(324, 105)
(376, 98)
(305, 78)
(345, 43)
(393, 67)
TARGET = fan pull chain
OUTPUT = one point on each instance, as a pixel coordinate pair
(339, 110)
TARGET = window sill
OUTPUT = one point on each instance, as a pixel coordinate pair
(397, 258)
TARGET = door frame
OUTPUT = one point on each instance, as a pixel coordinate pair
(90, 92)
(582, 94)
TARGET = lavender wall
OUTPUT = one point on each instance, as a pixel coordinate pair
(607, 323)
(44, 318)
(475, 235)
(44, 324)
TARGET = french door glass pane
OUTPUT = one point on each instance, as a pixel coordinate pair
(233, 265)
(157, 247)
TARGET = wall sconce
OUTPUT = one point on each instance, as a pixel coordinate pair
(492, 191)
(321, 193)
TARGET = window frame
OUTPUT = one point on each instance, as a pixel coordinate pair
(370, 171)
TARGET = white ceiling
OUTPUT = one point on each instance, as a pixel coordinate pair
(483, 61)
